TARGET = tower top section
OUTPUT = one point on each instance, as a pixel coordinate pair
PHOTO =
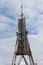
(21, 11)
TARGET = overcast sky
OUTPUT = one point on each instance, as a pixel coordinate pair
(9, 13)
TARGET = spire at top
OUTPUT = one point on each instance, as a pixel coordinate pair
(21, 10)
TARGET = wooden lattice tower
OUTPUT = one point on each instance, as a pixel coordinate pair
(22, 44)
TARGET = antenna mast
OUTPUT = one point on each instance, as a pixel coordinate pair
(21, 11)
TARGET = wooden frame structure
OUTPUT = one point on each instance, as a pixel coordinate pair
(22, 44)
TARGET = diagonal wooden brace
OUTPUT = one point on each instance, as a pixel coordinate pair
(19, 60)
(25, 60)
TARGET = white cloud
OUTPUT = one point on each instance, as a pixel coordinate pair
(9, 12)
(7, 50)
(36, 44)
(7, 26)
